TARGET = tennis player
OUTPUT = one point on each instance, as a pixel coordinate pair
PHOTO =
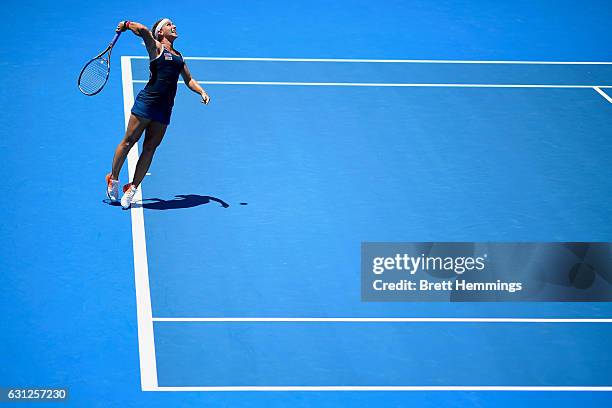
(153, 105)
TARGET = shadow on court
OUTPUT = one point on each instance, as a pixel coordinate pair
(180, 201)
(109, 202)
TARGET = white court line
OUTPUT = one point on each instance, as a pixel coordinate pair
(389, 61)
(365, 84)
(382, 388)
(146, 343)
(382, 319)
(602, 93)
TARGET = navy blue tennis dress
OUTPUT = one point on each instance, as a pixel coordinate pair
(156, 100)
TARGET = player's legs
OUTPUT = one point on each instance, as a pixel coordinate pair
(153, 137)
(136, 125)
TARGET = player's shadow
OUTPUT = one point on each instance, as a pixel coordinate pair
(179, 201)
(113, 203)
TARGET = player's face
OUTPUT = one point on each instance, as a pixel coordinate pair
(170, 30)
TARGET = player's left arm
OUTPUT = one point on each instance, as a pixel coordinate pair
(193, 84)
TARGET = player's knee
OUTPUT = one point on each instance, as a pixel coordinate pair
(149, 147)
(126, 144)
(129, 141)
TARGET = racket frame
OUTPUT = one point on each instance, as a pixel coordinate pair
(108, 50)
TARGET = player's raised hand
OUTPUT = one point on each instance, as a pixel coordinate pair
(121, 27)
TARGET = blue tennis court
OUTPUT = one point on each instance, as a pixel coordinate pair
(335, 153)
(235, 280)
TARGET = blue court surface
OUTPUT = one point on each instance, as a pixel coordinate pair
(235, 281)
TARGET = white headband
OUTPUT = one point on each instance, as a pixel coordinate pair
(159, 26)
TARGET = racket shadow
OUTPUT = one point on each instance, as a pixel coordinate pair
(179, 201)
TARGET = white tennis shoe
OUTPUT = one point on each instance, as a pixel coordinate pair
(129, 190)
(112, 188)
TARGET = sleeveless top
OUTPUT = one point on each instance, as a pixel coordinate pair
(164, 73)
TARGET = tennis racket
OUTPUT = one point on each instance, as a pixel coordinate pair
(95, 73)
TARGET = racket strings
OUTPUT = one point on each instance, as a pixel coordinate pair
(94, 76)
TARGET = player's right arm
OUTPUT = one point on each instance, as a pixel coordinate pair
(153, 46)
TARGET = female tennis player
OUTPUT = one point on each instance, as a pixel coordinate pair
(153, 106)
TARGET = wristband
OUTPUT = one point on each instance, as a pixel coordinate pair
(126, 23)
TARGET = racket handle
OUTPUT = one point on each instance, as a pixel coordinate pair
(115, 38)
